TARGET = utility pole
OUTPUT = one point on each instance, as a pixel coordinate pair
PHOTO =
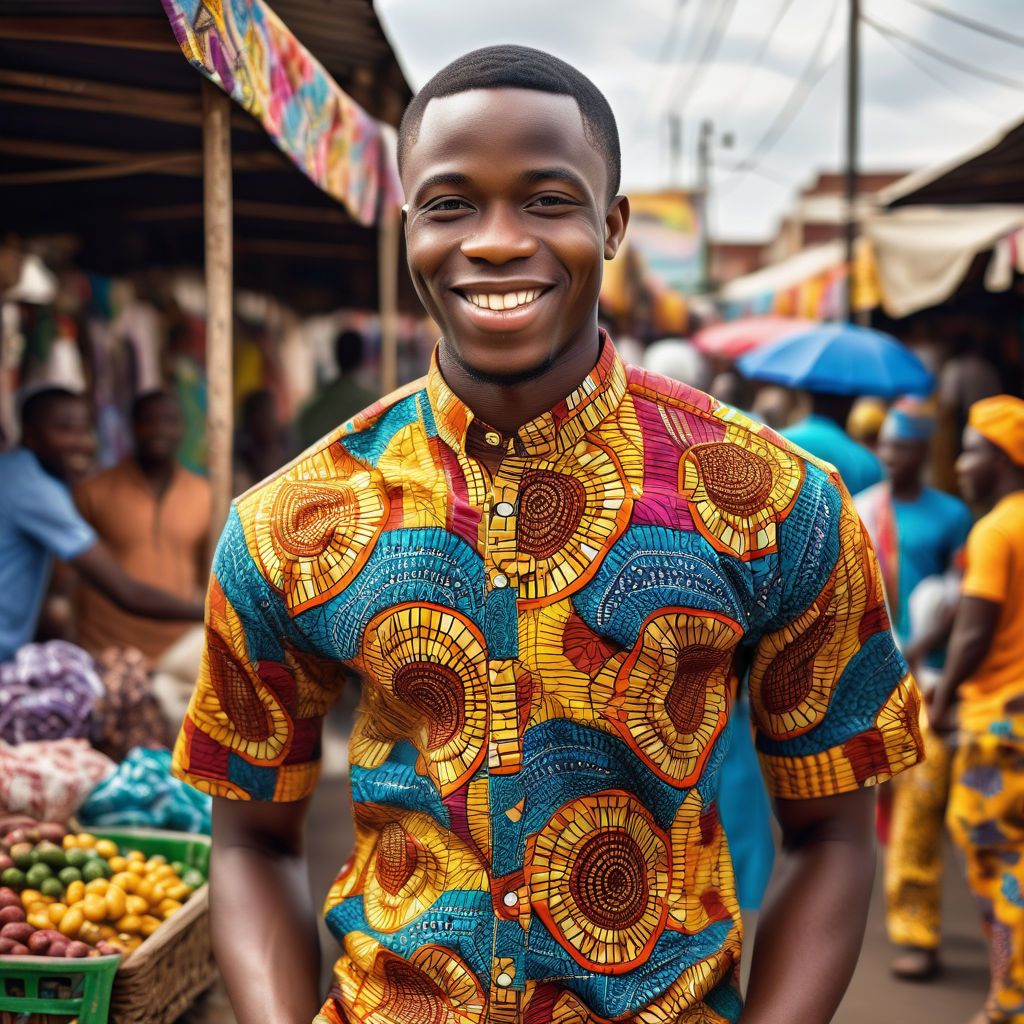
(675, 149)
(852, 147)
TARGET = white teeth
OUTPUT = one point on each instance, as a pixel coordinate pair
(503, 300)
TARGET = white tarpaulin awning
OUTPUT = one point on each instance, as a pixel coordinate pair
(787, 273)
(923, 253)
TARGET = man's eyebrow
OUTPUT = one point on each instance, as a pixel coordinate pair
(562, 174)
(443, 178)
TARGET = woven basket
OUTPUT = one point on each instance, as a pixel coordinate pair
(159, 981)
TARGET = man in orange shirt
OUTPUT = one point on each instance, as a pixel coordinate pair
(985, 672)
(154, 515)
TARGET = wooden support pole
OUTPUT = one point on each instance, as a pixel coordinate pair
(217, 195)
(387, 291)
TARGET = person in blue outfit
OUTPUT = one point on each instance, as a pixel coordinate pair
(821, 433)
(918, 533)
(39, 521)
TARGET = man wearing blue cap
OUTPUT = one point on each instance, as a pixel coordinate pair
(917, 532)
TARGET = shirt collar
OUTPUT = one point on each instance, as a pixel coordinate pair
(597, 396)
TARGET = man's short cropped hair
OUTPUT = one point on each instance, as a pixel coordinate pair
(142, 402)
(35, 407)
(520, 67)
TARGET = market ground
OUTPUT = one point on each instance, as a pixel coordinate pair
(874, 997)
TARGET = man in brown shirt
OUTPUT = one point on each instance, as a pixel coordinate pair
(153, 514)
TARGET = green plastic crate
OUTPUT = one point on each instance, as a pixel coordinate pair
(51, 985)
(82, 987)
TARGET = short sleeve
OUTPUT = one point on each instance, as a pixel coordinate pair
(833, 703)
(989, 561)
(42, 509)
(254, 723)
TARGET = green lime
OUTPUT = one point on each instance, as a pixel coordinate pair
(52, 854)
(180, 867)
(52, 887)
(37, 874)
(21, 854)
(193, 878)
(13, 877)
(69, 874)
(77, 857)
(95, 868)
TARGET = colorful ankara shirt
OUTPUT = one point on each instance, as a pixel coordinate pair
(549, 658)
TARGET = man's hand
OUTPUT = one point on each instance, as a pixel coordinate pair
(812, 922)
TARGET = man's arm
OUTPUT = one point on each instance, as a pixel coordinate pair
(99, 567)
(973, 629)
(812, 922)
(261, 911)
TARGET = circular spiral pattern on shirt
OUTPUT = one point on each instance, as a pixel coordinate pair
(550, 509)
(437, 692)
(396, 858)
(609, 880)
(598, 874)
(738, 491)
(410, 997)
(736, 480)
(670, 697)
(789, 678)
(425, 682)
(237, 695)
(309, 514)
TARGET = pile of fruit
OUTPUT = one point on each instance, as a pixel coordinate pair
(73, 895)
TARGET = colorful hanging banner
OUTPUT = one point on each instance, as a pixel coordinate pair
(245, 48)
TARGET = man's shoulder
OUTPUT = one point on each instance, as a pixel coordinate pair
(23, 477)
(1006, 520)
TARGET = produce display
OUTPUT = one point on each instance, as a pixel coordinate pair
(69, 894)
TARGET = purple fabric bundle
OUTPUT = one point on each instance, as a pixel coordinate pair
(48, 692)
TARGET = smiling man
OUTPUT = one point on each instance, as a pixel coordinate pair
(551, 571)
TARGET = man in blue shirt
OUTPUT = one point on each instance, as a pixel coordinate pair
(38, 521)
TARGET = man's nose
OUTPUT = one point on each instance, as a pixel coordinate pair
(501, 236)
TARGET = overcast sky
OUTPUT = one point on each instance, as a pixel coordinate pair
(645, 56)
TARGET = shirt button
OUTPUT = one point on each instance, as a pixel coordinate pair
(500, 580)
(504, 980)
(503, 508)
(493, 438)
(510, 899)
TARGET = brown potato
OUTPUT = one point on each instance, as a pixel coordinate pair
(17, 930)
(78, 949)
(11, 913)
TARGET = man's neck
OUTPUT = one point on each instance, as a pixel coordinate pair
(158, 474)
(507, 406)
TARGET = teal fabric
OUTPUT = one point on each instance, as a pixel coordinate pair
(826, 440)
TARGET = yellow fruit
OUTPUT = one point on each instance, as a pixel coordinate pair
(116, 900)
(108, 931)
(135, 905)
(39, 919)
(148, 924)
(156, 861)
(135, 857)
(30, 896)
(71, 922)
(74, 892)
(90, 932)
(167, 907)
(133, 943)
(118, 863)
(164, 872)
(152, 892)
(86, 840)
(136, 867)
(55, 911)
(94, 907)
(180, 891)
(126, 880)
(97, 885)
(130, 923)
(69, 840)
(106, 848)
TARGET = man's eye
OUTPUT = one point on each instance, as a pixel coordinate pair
(447, 206)
(553, 201)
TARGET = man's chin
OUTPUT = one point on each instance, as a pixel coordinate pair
(501, 376)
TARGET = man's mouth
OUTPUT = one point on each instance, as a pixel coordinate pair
(500, 301)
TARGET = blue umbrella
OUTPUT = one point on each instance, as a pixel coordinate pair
(841, 359)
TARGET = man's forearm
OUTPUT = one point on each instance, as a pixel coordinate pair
(811, 927)
(264, 935)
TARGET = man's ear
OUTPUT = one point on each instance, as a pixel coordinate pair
(615, 221)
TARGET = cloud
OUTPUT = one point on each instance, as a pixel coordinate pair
(909, 119)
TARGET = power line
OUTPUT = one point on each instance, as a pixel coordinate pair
(971, 23)
(812, 74)
(969, 69)
(755, 63)
(669, 42)
(908, 55)
(711, 43)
